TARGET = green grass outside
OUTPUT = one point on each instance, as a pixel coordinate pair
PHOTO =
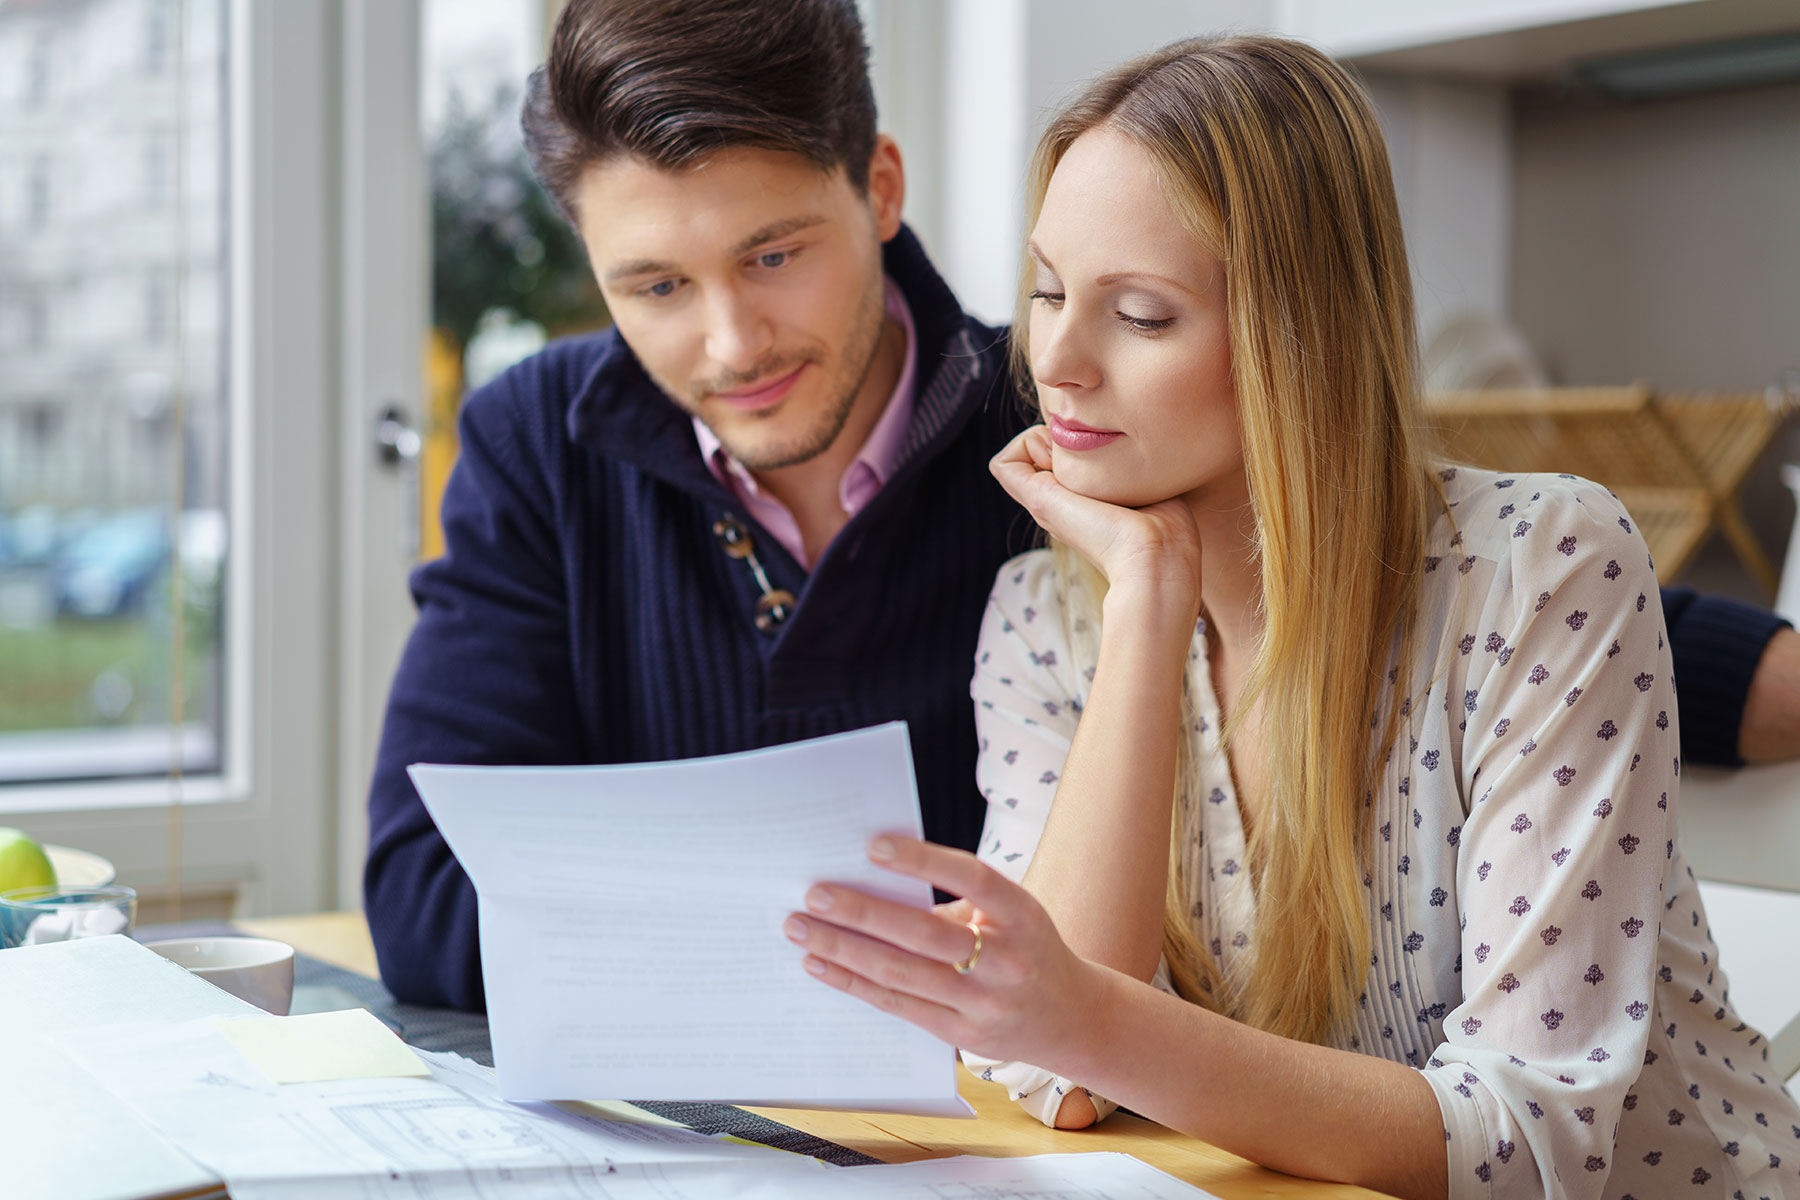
(48, 674)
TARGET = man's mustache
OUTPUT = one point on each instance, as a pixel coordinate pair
(766, 371)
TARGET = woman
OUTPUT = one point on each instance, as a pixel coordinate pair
(1331, 791)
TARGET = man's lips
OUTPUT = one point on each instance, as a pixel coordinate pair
(761, 395)
(1071, 434)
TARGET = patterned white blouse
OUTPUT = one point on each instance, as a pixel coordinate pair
(1540, 952)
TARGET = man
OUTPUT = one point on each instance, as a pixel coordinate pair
(758, 509)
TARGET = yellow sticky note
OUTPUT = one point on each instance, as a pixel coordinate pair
(318, 1046)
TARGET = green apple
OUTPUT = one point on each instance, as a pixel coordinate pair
(23, 862)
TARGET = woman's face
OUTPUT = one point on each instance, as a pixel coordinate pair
(1129, 341)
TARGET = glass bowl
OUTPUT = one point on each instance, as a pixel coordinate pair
(36, 915)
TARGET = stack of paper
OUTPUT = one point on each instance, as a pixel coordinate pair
(65, 1135)
(130, 1079)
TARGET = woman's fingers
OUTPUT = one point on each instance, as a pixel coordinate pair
(943, 938)
(941, 1022)
(878, 961)
(1125, 542)
(960, 911)
(1001, 901)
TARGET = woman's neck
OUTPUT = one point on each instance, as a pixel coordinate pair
(1230, 569)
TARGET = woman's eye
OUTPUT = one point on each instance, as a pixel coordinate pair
(1146, 324)
(1053, 299)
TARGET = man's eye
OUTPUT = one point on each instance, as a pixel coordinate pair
(661, 289)
(774, 258)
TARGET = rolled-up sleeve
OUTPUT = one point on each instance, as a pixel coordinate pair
(1570, 761)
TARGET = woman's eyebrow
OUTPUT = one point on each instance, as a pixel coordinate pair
(1112, 277)
(1121, 276)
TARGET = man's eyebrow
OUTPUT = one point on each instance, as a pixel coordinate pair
(768, 233)
(638, 266)
(778, 229)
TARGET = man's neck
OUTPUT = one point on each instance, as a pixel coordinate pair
(810, 490)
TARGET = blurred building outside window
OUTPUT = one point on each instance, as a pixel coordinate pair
(37, 72)
(113, 405)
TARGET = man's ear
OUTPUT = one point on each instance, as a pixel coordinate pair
(887, 186)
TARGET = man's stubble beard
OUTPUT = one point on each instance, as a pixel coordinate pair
(859, 358)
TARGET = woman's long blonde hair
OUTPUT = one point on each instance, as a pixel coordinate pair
(1271, 155)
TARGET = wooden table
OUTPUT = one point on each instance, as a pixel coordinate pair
(1003, 1129)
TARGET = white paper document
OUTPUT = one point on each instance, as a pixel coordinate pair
(53, 1115)
(631, 925)
(451, 1137)
(443, 1137)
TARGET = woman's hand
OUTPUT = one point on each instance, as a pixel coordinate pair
(1156, 547)
(1025, 995)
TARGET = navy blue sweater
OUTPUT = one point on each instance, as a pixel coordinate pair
(584, 611)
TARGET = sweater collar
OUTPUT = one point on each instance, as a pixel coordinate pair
(619, 411)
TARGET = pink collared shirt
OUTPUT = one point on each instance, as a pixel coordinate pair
(865, 475)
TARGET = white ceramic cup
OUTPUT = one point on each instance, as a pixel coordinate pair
(259, 970)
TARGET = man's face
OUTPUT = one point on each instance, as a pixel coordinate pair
(749, 287)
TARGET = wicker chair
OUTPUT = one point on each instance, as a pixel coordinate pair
(1676, 462)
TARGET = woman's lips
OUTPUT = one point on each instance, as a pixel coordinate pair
(1073, 435)
(763, 395)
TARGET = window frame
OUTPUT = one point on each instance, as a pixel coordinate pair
(266, 821)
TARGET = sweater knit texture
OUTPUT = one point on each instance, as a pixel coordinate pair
(585, 612)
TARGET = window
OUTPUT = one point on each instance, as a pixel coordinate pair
(159, 306)
(156, 169)
(156, 38)
(114, 407)
(37, 322)
(507, 270)
(37, 193)
(37, 72)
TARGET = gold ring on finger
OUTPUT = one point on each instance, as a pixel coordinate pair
(968, 964)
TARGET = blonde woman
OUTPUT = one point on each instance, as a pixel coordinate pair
(1332, 791)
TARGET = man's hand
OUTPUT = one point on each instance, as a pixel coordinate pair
(1770, 730)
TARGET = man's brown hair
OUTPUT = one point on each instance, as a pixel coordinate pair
(672, 81)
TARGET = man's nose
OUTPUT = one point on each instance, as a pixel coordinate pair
(738, 335)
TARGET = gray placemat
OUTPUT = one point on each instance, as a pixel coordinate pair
(466, 1034)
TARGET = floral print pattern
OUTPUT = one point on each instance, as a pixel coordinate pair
(1541, 954)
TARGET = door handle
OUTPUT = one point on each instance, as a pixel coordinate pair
(397, 447)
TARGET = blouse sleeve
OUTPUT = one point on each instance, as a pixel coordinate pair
(1027, 705)
(1569, 770)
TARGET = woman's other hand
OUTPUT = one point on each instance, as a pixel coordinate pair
(1024, 996)
(1155, 548)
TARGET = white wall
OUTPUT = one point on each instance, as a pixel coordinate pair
(965, 85)
(1661, 240)
(1451, 149)
(1372, 26)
